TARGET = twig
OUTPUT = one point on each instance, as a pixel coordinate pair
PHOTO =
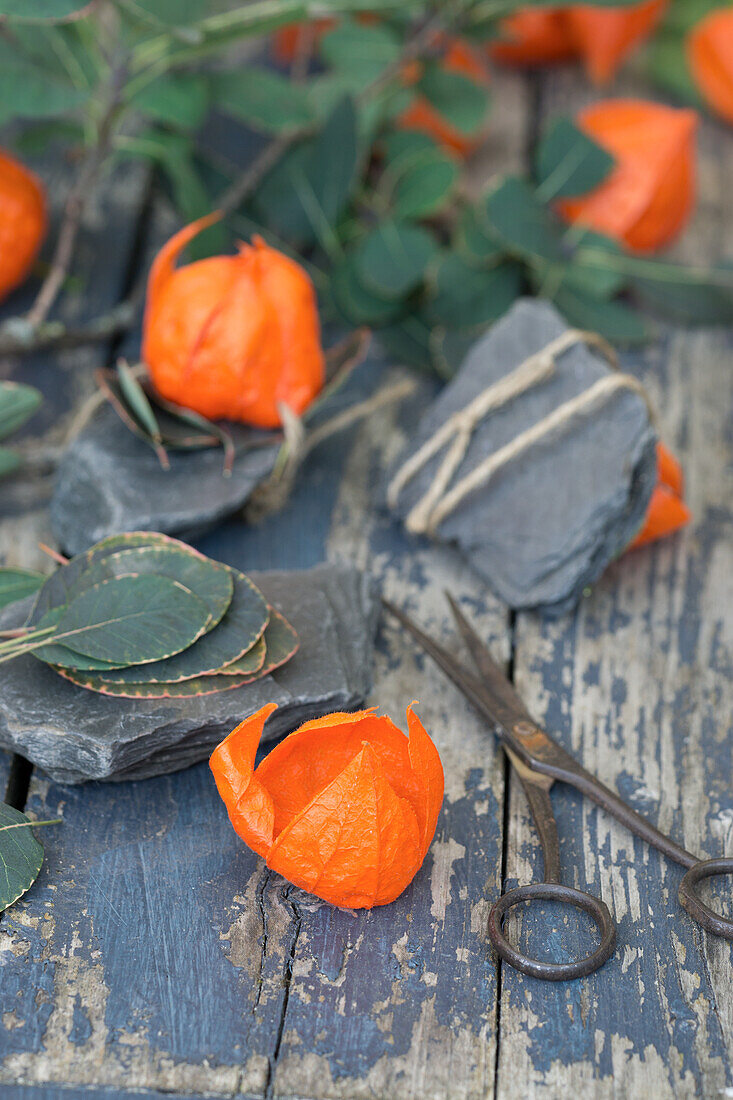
(58, 558)
(74, 208)
(18, 336)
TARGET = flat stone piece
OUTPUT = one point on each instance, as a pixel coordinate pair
(547, 524)
(110, 481)
(76, 735)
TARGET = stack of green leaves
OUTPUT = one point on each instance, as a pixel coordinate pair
(142, 615)
(17, 404)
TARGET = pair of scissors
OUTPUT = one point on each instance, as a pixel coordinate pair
(539, 761)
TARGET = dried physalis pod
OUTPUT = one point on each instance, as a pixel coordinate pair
(603, 36)
(530, 37)
(459, 58)
(667, 511)
(345, 807)
(23, 221)
(710, 56)
(233, 337)
(648, 197)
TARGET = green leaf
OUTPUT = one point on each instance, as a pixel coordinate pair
(424, 186)
(302, 197)
(393, 258)
(131, 620)
(21, 855)
(175, 155)
(362, 51)
(16, 584)
(211, 581)
(353, 301)
(403, 148)
(137, 400)
(53, 10)
(18, 403)
(614, 320)
(594, 268)
(9, 461)
(688, 298)
(569, 163)
(262, 98)
(180, 99)
(520, 221)
(467, 296)
(28, 92)
(238, 632)
(281, 643)
(174, 13)
(475, 235)
(462, 102)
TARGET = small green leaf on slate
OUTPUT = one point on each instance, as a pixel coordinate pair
(475, 236)
(355, 302)
(9, 461)
(596, 267)
(26, 91)
(249, 663)
(614, 320)
(16, 584)
(569, 163)
(134, 620)
(393, 258)
(701, 298)
(18, 402)
(21, 855)
(462, 102)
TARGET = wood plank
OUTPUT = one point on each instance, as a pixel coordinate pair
(637, 684)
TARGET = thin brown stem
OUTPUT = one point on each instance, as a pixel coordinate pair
(18, 336)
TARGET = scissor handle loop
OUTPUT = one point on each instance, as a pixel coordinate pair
(695, 906)
(553, 891)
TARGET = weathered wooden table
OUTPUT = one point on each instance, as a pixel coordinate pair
(157, 954)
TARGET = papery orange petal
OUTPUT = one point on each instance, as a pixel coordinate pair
(426, 764)
(356, 844)
(164, 263)
(710, 56)
(249, 805)
(533, 38)
(649, 195)
(666, 513)
(605, 36)
(669, 471)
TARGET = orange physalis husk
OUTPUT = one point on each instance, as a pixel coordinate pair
(288, 41)
(460, 58)
(710, 56)
(232, 337)
(345, 807)
(667, 511)
(603, 37)
(22, 221)
(533, 38)
(649, 195)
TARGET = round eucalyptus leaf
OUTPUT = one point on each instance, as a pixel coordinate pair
(392, 259)
(16, 584)
(238, 632)
(133, 620)
(21, 855)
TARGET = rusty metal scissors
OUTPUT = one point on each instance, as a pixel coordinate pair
(539, 761)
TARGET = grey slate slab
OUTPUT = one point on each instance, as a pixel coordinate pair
(110, 481)
(75, 735)
(548, 523)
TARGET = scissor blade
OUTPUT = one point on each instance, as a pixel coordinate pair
(499, 684)
(480, 695)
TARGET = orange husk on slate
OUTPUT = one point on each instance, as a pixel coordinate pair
(23, 221)
(667, 511)
(345, 807)
(710, 57)
(233, 337)
(459, 57)
(533, 38)
(604, 37)
(648, 197)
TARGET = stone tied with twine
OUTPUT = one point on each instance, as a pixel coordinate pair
(537, 460)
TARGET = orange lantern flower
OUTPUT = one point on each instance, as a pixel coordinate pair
(345, 807)
(459, 58)
(605, 36)
(22, 221)
(710, 56)
(667, 511)
(288, 41)
(534, 38)
(648, 197)
(232, 336)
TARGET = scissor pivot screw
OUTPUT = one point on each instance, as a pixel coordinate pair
(524, 729)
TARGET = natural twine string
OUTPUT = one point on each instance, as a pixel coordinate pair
(439, 501)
